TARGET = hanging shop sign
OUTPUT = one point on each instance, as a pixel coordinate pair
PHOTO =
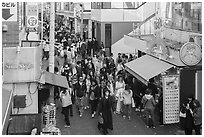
(170, 99)
(190, 54)
(22, 65)
(32, 15)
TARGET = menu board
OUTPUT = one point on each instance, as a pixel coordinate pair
(170, 99)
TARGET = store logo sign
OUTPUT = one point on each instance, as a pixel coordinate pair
(24, 66)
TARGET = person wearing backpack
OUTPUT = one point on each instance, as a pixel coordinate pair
(149, 106)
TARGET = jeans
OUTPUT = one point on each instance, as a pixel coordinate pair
(65, 111)
(197, 129)
(79, 104)
(127, 110)
(94, 104)
(149, 112)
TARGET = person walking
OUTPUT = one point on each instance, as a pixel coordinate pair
(65, 96)
(127, 95)
(94, 97)
(105, 110)
(80, 89)
(189, 125)
(119, 88)
(197, 116)
(149, 106)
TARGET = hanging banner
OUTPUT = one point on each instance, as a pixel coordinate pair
(170, 99)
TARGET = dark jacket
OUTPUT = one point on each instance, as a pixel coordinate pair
(197, 116)
(105, 107)
(80, 89)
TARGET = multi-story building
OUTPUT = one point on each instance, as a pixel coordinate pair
(112, 20)
(171, 39)
(74, 13)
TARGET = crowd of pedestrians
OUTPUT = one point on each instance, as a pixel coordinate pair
(99, 82)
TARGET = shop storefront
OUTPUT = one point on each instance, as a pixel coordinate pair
(23, 76)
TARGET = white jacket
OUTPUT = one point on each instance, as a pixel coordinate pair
(66, 98)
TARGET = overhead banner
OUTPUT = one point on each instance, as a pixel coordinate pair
(170, 99)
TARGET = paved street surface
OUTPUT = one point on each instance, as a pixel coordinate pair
(88, 126)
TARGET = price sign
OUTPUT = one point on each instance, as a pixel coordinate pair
(171, 99)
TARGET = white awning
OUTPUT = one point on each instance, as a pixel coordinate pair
(54, 79)
(146, 67)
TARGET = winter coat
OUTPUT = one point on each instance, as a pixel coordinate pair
(127, 97)
(197, 116)
(65, 98)
(105, 107)
(80, 89)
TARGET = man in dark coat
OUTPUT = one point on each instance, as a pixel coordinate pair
(83, 50)
(89, 47)
(95, 46)
(105, 106)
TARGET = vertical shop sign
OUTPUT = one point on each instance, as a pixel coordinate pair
(170, 99)
(32, 15)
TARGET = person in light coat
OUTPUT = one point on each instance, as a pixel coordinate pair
(127, 95)
(119, 88)
(65, 96)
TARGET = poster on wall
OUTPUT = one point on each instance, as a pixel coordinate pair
(170, 99)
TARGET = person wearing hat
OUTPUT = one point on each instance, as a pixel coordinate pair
(80, 90)
(105, 110)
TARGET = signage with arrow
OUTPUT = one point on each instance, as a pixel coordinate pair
(9, 11)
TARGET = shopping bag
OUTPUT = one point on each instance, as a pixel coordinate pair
(133, 103)
(100, 119)
(182, 114)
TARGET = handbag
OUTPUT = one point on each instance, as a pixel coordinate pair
(133, 103)
(182, 114)
(100, 119)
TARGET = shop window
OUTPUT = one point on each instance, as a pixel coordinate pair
(184, 16)
(108, 35)
(106, 5)
(129, 5)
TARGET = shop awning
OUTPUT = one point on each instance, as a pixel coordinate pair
(54, 79)
(6, 108)
(146, 67)
(120, 47)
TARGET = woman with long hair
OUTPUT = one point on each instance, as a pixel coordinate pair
(119, 88)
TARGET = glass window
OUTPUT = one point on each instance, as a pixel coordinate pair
(106, 5)
(117, 5)
(96, 5)
(129, 5)
(184, 15)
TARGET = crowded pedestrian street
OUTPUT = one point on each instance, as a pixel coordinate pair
(102, 68)
(88, 126)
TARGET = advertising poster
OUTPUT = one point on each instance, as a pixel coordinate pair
(171, 99)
